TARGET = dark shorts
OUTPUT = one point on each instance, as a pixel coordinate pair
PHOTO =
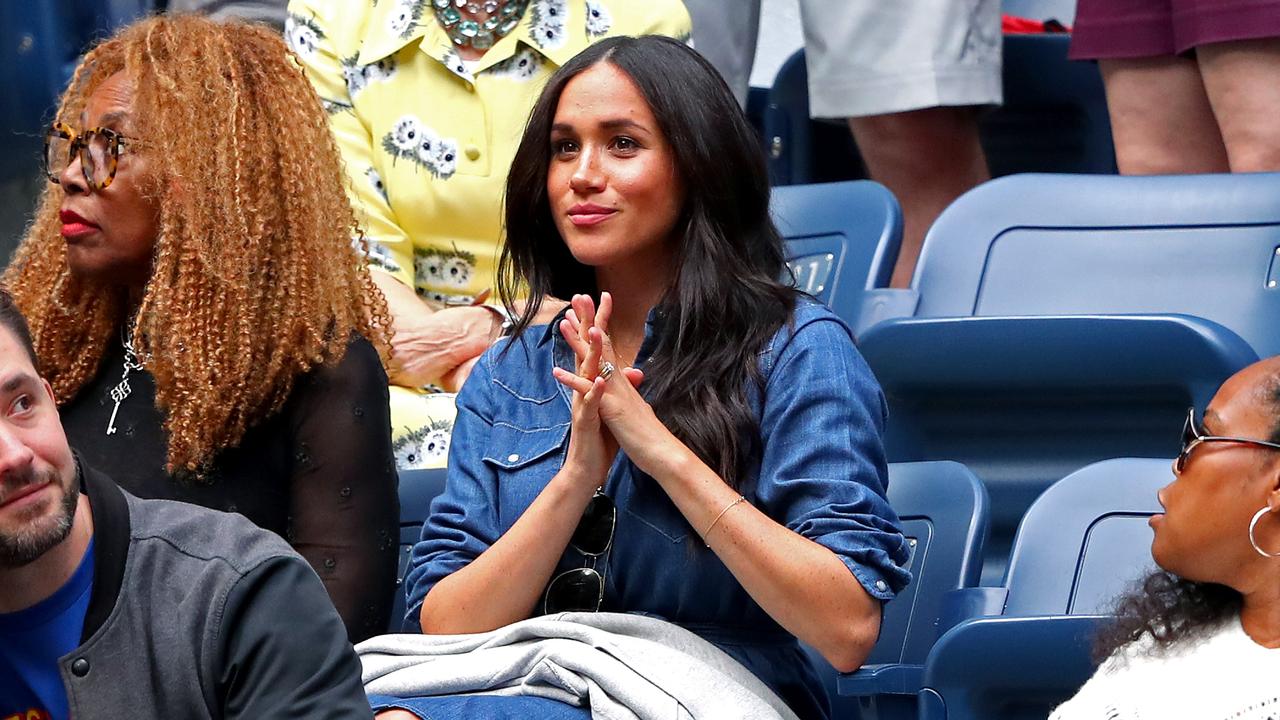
(1151, 28)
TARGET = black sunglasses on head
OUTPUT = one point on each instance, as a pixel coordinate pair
(1193, 435)
(582, 589)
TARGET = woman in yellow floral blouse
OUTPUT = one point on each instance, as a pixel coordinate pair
(427, 100)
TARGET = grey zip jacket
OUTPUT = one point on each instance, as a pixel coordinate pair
(197, 614)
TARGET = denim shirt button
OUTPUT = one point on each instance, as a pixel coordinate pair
(881, 585)
(513, 458)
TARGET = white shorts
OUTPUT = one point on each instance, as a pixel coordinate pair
(874, 57)
(870, 57)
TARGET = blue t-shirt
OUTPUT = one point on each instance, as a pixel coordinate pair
(32, 641)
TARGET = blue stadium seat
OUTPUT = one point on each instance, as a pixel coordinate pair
(1054, 119)
(1204, 245)
(801, 150)
(841, 239)
(417, 489)
(1064, 319)
(943, 509)
(1026, 646)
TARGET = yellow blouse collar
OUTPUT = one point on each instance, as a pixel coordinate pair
(397, 24)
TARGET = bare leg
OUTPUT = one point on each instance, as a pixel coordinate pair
(927, 158)
(1242, 79)
(1160, 117)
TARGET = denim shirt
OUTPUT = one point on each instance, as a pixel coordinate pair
(822, 474)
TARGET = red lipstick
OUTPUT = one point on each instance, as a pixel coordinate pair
(74, 226)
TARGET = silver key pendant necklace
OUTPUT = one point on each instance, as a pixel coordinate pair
(122, 389)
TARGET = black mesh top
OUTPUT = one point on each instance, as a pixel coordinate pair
(320, 472)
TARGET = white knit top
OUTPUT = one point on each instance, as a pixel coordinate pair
(1223, 676)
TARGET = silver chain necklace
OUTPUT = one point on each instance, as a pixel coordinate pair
(500, 18)
(122, 389)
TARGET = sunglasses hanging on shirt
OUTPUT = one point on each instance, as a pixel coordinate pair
(582, 589)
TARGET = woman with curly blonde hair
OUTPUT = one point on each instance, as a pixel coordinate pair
(209, 330)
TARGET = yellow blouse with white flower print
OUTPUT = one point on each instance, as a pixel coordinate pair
(427, 138)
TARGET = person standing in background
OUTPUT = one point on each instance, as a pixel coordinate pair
(908, 76)
(1191, 86)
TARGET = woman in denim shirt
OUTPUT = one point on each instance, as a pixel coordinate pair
(744, 417)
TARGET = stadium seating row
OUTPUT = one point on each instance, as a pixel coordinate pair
(1055, 320)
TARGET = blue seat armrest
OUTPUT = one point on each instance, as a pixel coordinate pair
(984, 665)
(905, 679)
(967, 603)
(886, 679)
(1064, 351)
(880, 304)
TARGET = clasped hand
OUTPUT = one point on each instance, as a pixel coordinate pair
(602, 407)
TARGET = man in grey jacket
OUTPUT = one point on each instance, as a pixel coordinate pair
(112, 606)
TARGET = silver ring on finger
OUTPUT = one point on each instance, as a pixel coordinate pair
(606, 370)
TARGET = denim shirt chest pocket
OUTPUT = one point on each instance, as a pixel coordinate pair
(526, 445)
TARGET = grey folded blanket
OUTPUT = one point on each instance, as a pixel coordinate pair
(625, 667)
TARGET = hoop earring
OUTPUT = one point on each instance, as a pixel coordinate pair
(1252, 524)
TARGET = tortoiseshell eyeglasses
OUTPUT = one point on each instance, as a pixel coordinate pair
(99, 151)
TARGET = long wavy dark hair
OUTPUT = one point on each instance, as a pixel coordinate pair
(1172, 609)
(725, 301)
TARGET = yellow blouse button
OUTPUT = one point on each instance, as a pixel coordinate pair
(473, 153)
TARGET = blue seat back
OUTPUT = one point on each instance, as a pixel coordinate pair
(417, 489)
(1023, 401)
(1082, 545)
(1202, 245)
(944, 513)
(841, 239)
(1086, 539)
(799, 149)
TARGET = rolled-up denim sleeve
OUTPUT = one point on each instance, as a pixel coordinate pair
(463, 522)
(823, 471)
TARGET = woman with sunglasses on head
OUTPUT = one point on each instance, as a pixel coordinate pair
(704, 445)
(1200, 637)
(209, 331)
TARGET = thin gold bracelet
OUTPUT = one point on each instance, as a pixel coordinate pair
(710, 527)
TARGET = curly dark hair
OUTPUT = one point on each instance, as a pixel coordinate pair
(1171, 609)
(256, 236)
